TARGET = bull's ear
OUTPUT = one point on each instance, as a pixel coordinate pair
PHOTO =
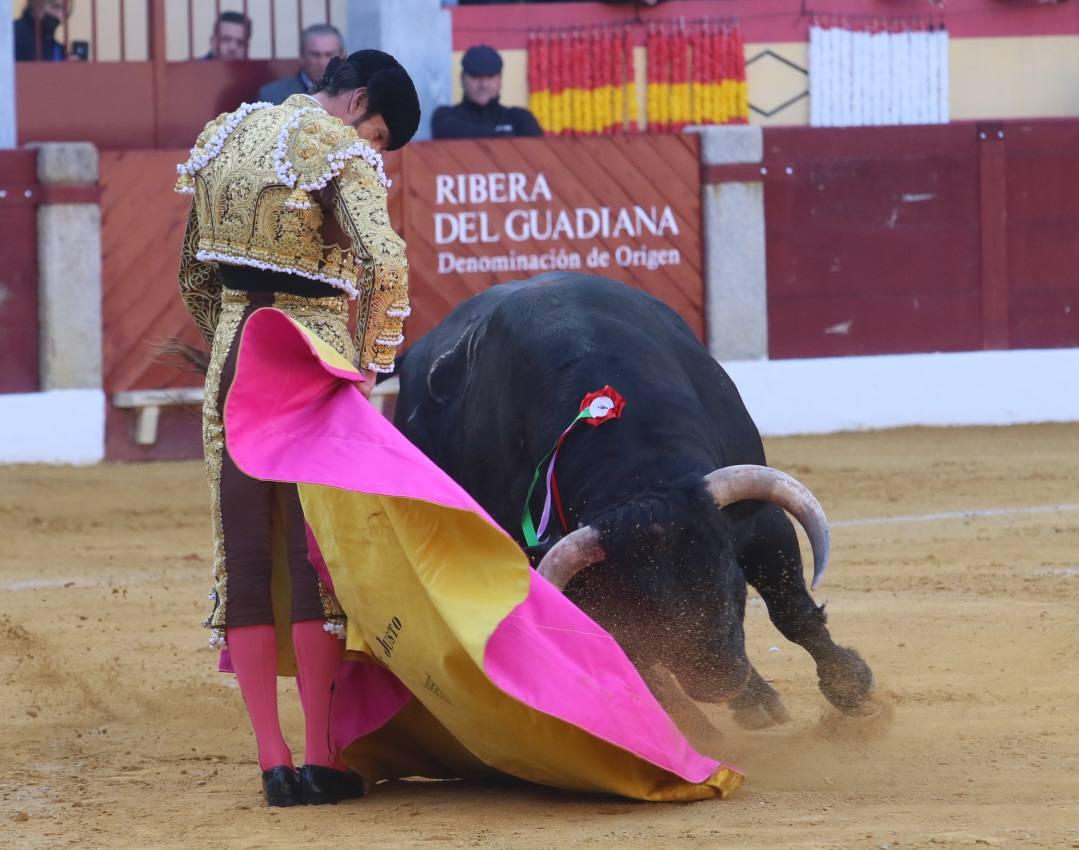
(536, 553)
(448, 373)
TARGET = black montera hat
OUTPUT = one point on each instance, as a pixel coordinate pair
(390, 91)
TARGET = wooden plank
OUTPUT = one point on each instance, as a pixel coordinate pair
(19, 340)
(874, 222)
(820, 326)
(993, 175)
(1044, 318)
(1043, 233)
(140, 260)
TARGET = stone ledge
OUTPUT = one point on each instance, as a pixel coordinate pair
(735, 143)
(67, 162)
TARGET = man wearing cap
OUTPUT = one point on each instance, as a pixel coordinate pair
(479, 114)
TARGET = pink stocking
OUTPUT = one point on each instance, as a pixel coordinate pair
(318, 655)
(254, 658)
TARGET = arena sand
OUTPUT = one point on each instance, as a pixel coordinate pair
(117, 732)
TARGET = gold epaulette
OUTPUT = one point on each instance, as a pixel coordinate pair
(313, 148)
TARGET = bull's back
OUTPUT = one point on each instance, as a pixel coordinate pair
(487, 391)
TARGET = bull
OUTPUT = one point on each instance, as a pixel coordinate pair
(671, 509)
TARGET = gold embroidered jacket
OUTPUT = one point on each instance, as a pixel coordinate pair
(264, 179)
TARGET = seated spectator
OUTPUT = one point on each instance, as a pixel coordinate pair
(318, 45)
(44, 17)
(232, 32)
(479, 114)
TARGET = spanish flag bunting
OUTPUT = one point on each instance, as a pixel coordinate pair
(583, 81)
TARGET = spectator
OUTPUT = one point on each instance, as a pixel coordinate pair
(318, 45)
(479, 114)
(231, 34)
(43, 16)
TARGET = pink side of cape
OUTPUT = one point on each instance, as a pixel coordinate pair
(291, 417)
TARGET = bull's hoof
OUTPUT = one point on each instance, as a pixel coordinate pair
(759, 706)
(867, 708)
(846, 681)
(870, 722)
(761, 717)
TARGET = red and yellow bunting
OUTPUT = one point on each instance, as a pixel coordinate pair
(696, 75)
(583, 82)
(580, 82)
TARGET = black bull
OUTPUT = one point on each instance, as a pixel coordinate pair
(486, 394)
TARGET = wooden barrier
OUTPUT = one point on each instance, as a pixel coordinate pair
(889, 240)
(879, 240)
(630, 203)
(19, 371)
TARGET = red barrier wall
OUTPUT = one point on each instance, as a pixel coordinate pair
(143, 224)
(113, 104)
(880, 240)
(1040, 233)
(913, 239)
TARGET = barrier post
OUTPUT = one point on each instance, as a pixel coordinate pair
(736, 282)
(69, 266)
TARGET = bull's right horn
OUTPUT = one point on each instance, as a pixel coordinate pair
(570, 555)
(731, 484)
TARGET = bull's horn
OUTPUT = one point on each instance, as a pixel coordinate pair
(570, 555)
(748, 481)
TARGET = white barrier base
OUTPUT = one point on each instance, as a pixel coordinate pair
(827, 394)
(785, 397)
(59, 426)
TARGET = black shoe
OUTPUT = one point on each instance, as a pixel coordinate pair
(281, 786)
(321, 785)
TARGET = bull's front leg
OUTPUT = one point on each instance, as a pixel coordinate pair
(772, 564)
(758, 705)
(686, 714)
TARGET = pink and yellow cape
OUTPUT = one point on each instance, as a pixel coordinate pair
(462, 660)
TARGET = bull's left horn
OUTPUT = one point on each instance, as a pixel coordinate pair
(737, 483)
(570, 555)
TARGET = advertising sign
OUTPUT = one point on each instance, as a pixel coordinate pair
(480, 212)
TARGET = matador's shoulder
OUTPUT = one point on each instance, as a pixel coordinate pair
(209, 143)
(314, 148)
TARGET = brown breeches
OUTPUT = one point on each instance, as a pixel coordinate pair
(246, 509)
(247, 517)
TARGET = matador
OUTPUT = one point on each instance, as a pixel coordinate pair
(290, 212)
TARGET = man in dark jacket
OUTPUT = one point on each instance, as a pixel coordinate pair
(319, 43)
(479, 114)
(42, 17)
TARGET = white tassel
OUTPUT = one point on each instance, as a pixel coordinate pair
(338, 630)
(200, 158)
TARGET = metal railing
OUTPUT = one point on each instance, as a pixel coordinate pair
(123, 30)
